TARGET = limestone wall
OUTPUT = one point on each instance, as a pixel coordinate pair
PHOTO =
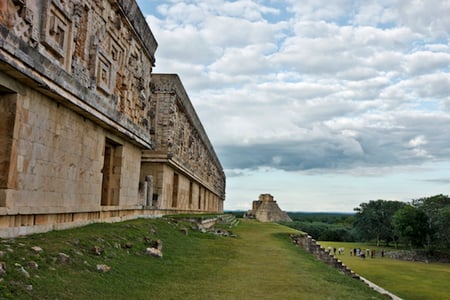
(56, 156)
(52, 147)
(7, 120)
(184, 193)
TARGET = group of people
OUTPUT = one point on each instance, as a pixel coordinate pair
(339, 250)
(356, 252)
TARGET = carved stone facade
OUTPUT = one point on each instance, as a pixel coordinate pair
(186, 171)
(81, 138)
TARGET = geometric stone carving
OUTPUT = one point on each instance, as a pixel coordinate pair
(104, 73)
(179, 133)
(77, 115)
(57, 32)
(19, 18)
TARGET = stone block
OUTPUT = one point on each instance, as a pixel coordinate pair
(41, 219)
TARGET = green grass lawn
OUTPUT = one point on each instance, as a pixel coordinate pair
(408, 280)
(261, 263)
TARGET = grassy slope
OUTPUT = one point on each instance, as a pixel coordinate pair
(409, 280)
(260, 264)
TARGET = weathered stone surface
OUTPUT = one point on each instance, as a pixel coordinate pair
(87, 132)
(97, 250)
(157, 244)
(33, 265)
(103, 268)
(154, 252)
(267, 210)
(63, 258)
(181, 142)
(24, 272)
(90, 49)
(36, 249)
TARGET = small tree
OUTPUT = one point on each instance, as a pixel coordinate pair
(432, 207)
(373, 220)
(443, 227)
(411, 224)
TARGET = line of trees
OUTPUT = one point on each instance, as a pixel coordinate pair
(423, 223)
(324, 226)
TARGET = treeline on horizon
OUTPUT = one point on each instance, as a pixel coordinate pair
(324, 226)
(422, 224)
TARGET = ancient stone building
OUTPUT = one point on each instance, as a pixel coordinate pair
(267, 210)
(183, 167)
(86, 134)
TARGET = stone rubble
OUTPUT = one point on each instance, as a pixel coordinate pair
(24, 272)
(97, 250)
(33, 265)
(154, 252)
(63, 258)
(36, 249)
(102, 268)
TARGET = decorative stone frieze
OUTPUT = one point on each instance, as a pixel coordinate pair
(89, 49)
(179, 132)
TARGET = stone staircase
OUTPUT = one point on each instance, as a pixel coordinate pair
(308, 243)
(202, 223)
(228, 219)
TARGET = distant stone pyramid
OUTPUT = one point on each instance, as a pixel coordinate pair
(267, 210)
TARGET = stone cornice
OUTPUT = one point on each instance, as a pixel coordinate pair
(95, 57)
(134, 15)
(34, 69)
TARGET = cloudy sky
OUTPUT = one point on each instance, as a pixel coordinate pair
(324, 104)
